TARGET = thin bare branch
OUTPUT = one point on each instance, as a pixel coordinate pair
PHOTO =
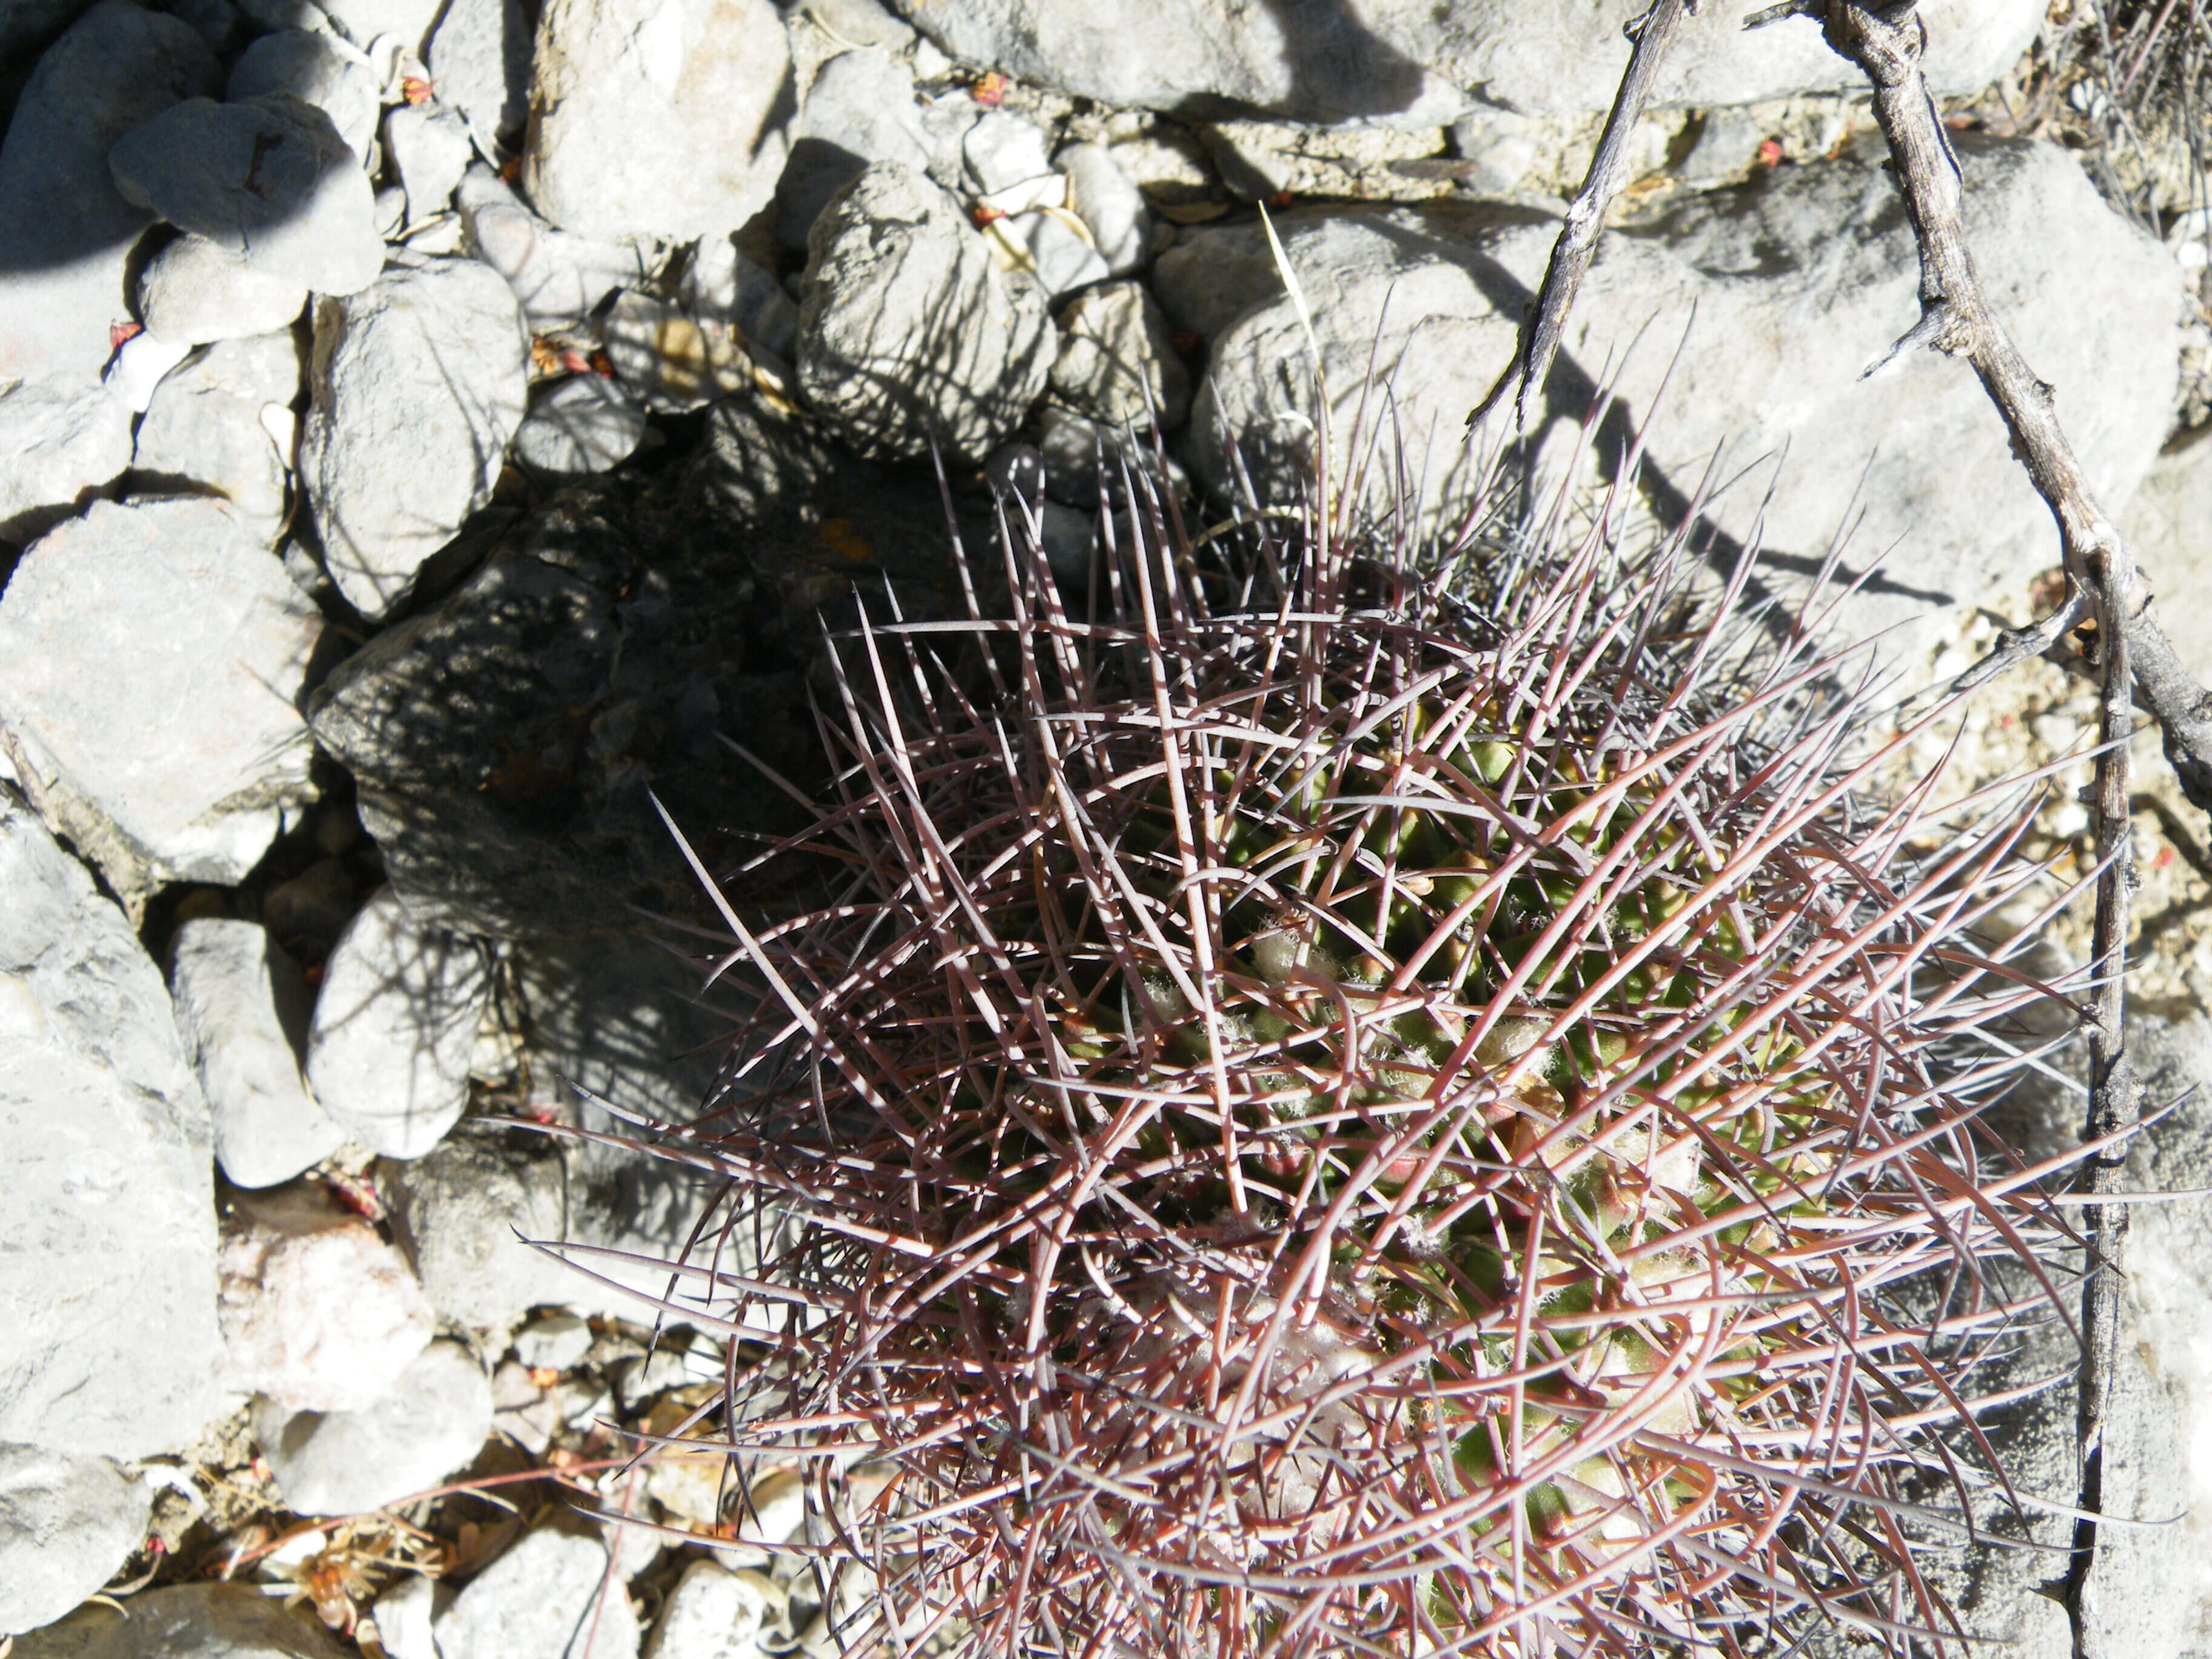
(1576, 245)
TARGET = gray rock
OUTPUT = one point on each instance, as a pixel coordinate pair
(388, 1052)
(319, 1313)
(65, 440)
(669, 360)
(2165, 527)
(362, 21)
(432, 1419)
(402, 1616)
(1917, 447)
(1003, 149)
(1053, 252)
(1117, 359)
(861, 23)
(582, 424)
(107, 1241)
(418, 382)
(270, 179)
(429, 145)
(195, 290)
(546, 1598)
(67, 1523)
(553, 1342)
(909, 332)
(457, 1211)
(317, 69)
(721, 285)
(390, 212)
(1406, 62)
(656, 117)
(479, 62)
(184, 1621)
(242, 1010)
(214, 425)
(189, 766)
(861, 109)
(66, 233)
(713, 1614)
(1106, 199)
(558, 277)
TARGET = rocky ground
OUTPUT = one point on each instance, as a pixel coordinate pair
(431, 427)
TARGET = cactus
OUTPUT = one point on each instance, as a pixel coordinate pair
(1332, 1108)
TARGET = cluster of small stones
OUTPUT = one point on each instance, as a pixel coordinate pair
(330, 329)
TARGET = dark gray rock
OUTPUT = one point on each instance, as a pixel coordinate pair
(316, 68)
(66, 231)
(271, 180)
(586, 424)
(184, 1621)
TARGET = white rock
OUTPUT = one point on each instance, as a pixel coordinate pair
(319, 1313)
(554, 1342)
(713, 1614)
(271, 180)
(1117, 359)
(1407, 63)
(184, 1621)
(317, 69)
(139, 366)
(1002, 149)
(558, 277)
(1054, 251)
(67, 1523)
(242, 1010)
(545, 1599)
(67, 231)
(2166, 525)
(391, 211)
(479, 60)
(207, 428)
(388, 1052)
(403, 1615)
(432, 1420)
(107, 1241)
(672, 361)
(418, 382)
(429, 146)
(63, 440)
(195, 290)
(656, 118)
(908, 331)
(1106, 199)
(582, 424)
(861, 109)
(190, 764)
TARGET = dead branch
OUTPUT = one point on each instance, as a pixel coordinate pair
(1577, 240)
(1886, 42)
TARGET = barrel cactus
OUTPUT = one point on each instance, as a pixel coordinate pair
(1329, 1106)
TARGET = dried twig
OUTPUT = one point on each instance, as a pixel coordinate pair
(1887, 44)
(1578, 241)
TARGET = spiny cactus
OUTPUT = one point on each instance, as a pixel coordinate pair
(1331, 1108)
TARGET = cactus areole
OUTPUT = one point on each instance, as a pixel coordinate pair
(1324, 1114)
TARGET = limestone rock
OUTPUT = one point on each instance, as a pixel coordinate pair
(656, 117)
(195, 290)
(66, 231)
(479, 61)
(242, 1009)
(184, 1621)
(1117, 359)
(187, 766)
(908, 331)
(317, 69)
(270, 179)
(388, 1051)
(65, 440)
(2167, 525)
(543, 1599)
(418, 383)
(67, 1523)
(214, 424)
(558, 277)
(432, 1419)
(108, 1240)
